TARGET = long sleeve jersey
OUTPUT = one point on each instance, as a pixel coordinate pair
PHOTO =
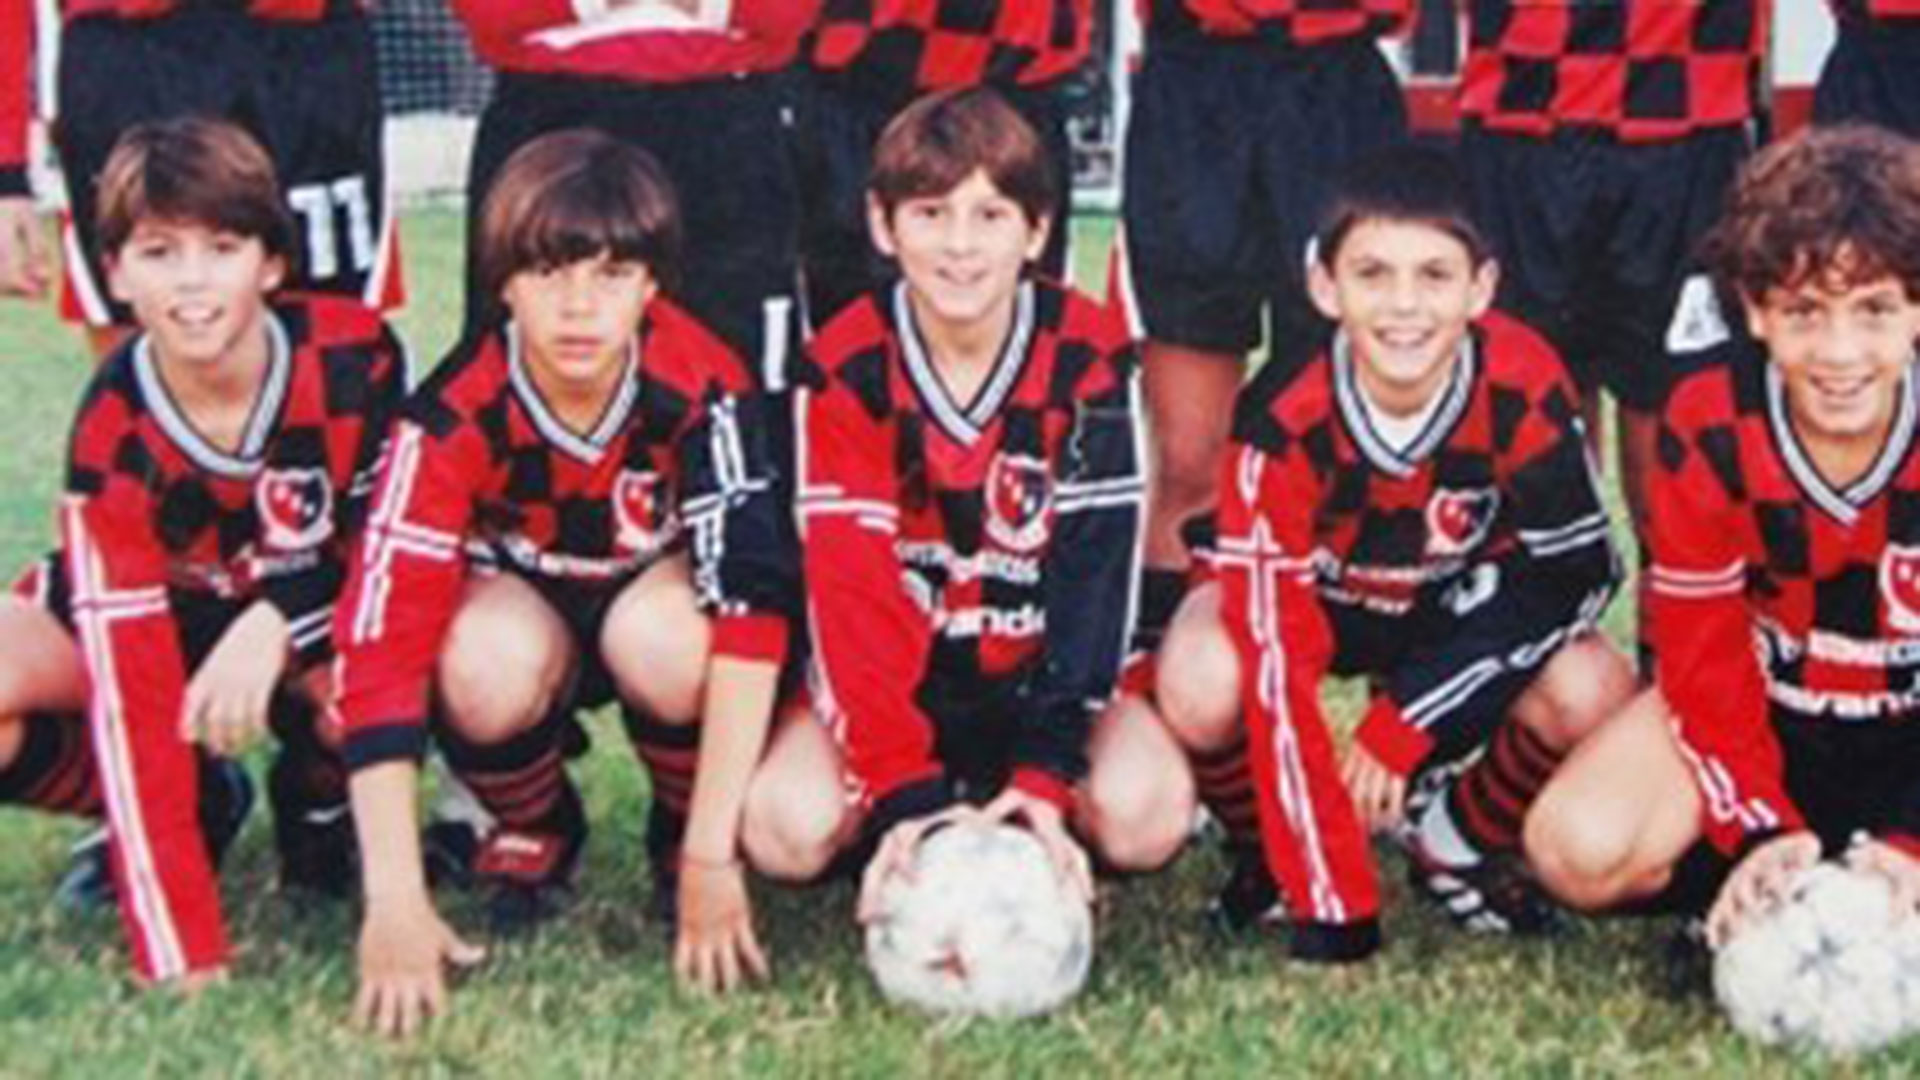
(1289, 23)
(902, 48)
(481, 471)
(18, 19)
(651, 41)
(955, 547)
(1646, 70)
(1493, 505)
(152, 510)
(1772, 590)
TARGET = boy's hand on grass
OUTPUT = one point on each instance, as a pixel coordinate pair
(1379, 794)
(715, 949)
(226, 701)
(1760, 882)
(404, 952)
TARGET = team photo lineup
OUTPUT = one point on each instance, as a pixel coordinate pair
(772, 426)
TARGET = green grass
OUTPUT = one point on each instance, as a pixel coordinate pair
(593, 996)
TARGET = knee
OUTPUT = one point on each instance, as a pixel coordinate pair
(1137, 821)
(1585, 860)
(657, 648)
(1198, 688)
(492, 687)
(791, 831)
(1585, 684)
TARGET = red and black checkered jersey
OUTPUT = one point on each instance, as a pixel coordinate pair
(643, 43)
(18, 19)
(481, 474)
(1283, 22)
(954, 549)
(1875, 11)
(1646, 70)
(1494, 500)
(153, 510)
(1770, 588)
(906, 47)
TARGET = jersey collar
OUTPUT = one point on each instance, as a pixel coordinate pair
(1377, 450)
(964, 424)
(589, 447)
(246, 459)
(1842, 504)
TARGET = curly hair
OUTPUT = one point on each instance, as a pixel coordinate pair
(1837, 205)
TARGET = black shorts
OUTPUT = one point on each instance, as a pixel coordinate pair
(838, 120)
(1596, 239)
(725, 143)
(1853, 776)
(1872, 75)
(307, 91)
(1231, 150)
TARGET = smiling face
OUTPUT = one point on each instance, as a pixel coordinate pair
(199, 291)
(961, 253)
(578, 320)
(1842, 348)
(1404, 293)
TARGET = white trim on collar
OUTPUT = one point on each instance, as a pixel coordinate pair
(246, 460)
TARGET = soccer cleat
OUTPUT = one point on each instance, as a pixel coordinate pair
(1491, 895)
(457, 825)
(226, 799)
(1687, 962)
(1249, 899)
(529, 877)
(319, 853)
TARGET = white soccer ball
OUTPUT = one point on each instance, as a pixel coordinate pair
(1833, 966)
(984, 926)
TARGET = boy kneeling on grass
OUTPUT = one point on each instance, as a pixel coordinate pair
(1784, 587)
(577, 507)
(215, 475)
(1414, 503)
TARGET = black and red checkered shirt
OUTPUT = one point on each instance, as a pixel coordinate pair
(646, 43)
(1284, 22)
(152, 511)
(951, 548)
(1646, 70)
(1869, 11)
(1771, 589)
(911, 46)
(1493, 501)
(481, 474)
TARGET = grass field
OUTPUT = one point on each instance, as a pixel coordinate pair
(593, 996)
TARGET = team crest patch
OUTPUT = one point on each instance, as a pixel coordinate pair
(1019, 501)
(637, 515)
(295, 508)
(1900, 585)
(1458, 520)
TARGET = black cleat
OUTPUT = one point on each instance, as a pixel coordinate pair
(319, 853)
(665, 831)
(1687, 963)
(528, 877)
(226, 798)
(1492, 896)
(1249, 899)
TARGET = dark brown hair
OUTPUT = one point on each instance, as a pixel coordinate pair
(191, 169)
(934, 144)
(1402, 183)
(1837, 205)
(574, 195)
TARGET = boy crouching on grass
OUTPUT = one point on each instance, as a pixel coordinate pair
(215, 475)
(1415, 504)
(577, 507)
(1784, 585)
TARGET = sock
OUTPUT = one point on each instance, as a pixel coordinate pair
(670, 752)
(54, 769)
(1160, 594)
(522, 782)
(1224, 779)
(1485, 807)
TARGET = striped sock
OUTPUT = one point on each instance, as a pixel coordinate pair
(54, 769)
(670, 752)
(1488, 803)
(1224, 780)
(522, 782)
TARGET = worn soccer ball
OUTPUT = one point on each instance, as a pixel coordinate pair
(1833, 967)
(983, 927)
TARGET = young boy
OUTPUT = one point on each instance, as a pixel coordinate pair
(217, 469)
(1415, 505)
(577, 507)
(1782, 592)
(970, 509)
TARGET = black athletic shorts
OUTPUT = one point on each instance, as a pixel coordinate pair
(838, 120)
(1853, 776)
(726, 145)
(307, 91)
(1231, 151)
(1596, 239)
(1873, 75)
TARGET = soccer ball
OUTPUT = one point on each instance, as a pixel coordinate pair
(984, 926)
(1833, 966)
